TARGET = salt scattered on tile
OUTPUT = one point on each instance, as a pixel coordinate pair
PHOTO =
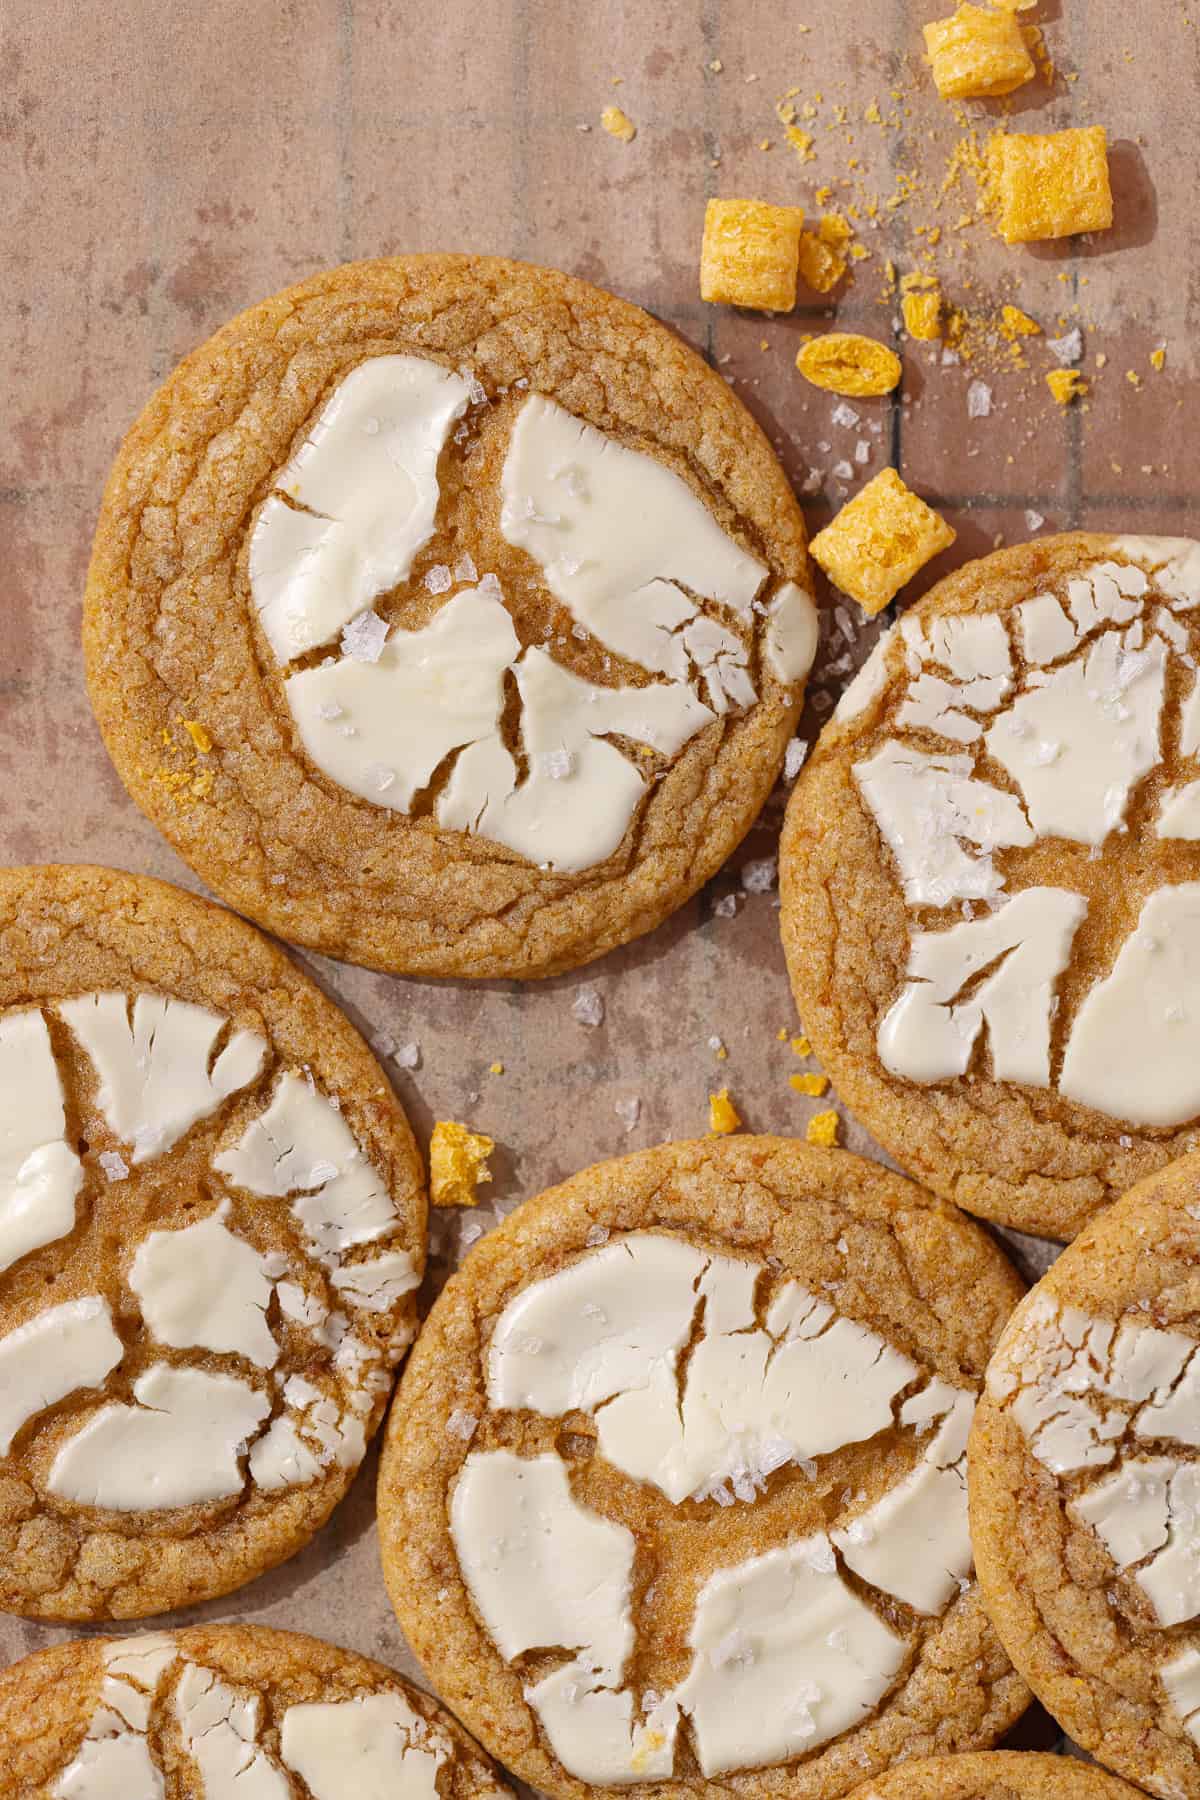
(408, 1056)
(628, 1111)
(979, 400)
(1033, 520)
(588, 1005)
(759, 877)
(844, 415)
(726, 906)
(1068, 348)
(843, 470)
(862, 451)
(383, 1044)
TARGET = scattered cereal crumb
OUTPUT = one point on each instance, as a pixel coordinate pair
(618, 124)
(114, 1165)
(588, 1005)
(809, 1084)
(1065, 384)
(496, 1068)
(843, 362)
(923, 314)
(1014, 323)
(1133, 378)
(723, 1115)
(822, 1129)
(1158, 357)
(800, 1044)
(200, 737)
(457, 1164)
(716, 65)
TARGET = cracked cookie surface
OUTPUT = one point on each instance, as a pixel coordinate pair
(180, 1713)
(989, 880)
(995, 1775)
(673, 1391)
(194, 705)
(212, 1225)
(1083, 1476)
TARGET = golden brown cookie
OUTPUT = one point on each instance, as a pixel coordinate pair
(991, 880)
(672, 1496)
(212, 1224)
(996, 1775)
(225, 1711)
(449, 615)
(1085, 1486)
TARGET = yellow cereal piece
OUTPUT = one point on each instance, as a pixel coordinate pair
(873, 116)
(1064, 384)
(457, 1164)
(842, 362)
(879, 540)
(723, 1115)
(977, 54)
(198, 735)
(1051, 184)
(496, 1068)
(801, 142)
(618, 124)
(823, 252)
(822, 1129)
(751, 254)
(1133, 378)
(1014, 323)
(809, 1084)
(782, 1034)
(801, 1045)
(923, 314)
(1158, 358)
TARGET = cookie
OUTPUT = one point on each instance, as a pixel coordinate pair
(212, 1226)
(449, 615)
(672, 1497)
(991, 883)
(1085, 1486)
(996, 1775)
(232, 1712)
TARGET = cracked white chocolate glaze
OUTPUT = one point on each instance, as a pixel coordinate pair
(484, 648)
(697, 1510)
(1085, 1478)
(1008, 988)
(231, 1713)
(195, 1350)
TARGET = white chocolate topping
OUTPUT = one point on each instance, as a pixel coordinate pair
(371, 1748)
(366, 479)
(40, 1175)
(927, 807)
(207, 1287)
(219, 1727)
(58, 1351)
(155, 1078)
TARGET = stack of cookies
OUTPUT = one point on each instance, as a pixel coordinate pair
(450, 616)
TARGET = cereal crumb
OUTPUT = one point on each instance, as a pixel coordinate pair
(496, 1068)
(618, 124)
(844, 362)
(813, 1085)
(1158, 357)
(800, 1044)
(201, 738)
(457, 1164)
(723, 1115)
(822, 1129)
(1065, 384)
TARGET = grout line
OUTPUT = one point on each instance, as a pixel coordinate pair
(345, 131)
(520, 128)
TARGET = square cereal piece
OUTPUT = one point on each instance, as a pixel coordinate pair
(879, 540)
(750, 254)
(977, 54)
(1052, 184)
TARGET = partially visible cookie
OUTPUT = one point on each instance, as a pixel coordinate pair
(212, 1227)
(990, 877)
(230, 1712)
(1085, 1486)
(449, 615)
(672, 1498)
(996, 1775)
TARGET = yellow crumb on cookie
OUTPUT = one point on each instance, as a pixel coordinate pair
(800, 1044)
(618, 124)
(977, 54)
(823, 252)
(923, 314)
(723, 1115)
(1050, 184)
(458, 1161)
(822, 1129)
(750, 254)
(809, 1084)
(1017, 324)
(198, 734)
(1064, 384)
(843, 362)
(879, 540)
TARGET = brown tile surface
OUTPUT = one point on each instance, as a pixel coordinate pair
(164, 167)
